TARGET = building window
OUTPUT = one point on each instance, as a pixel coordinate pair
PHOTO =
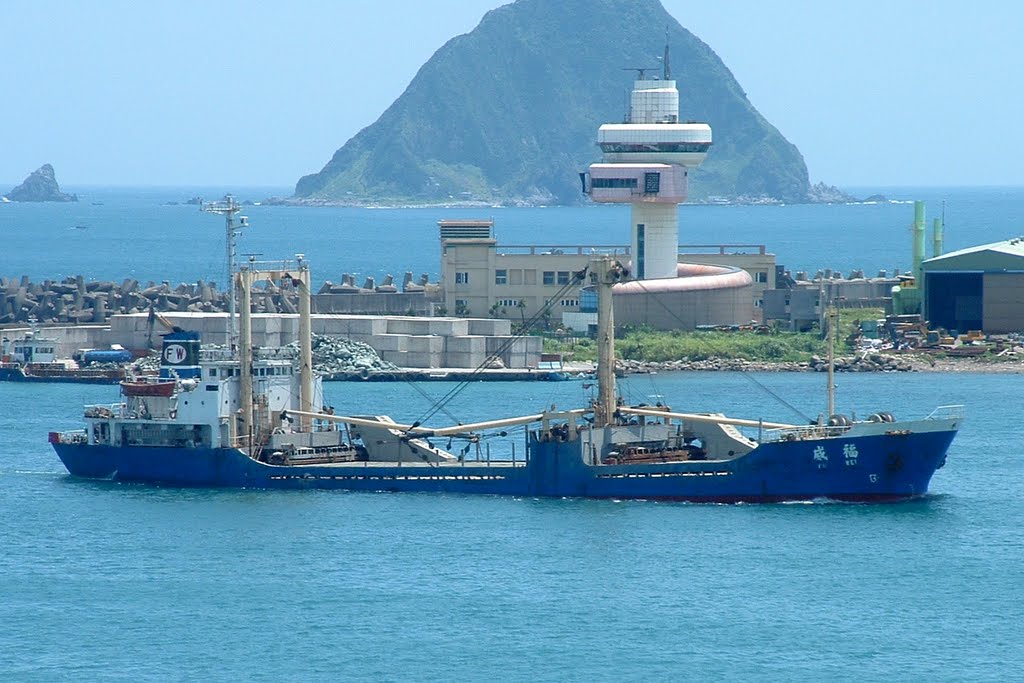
(761, 276)
(508, 303)
(675, 147)
(549, 277)
(462, 278)
(569, 303)
(515, 277)
(529, 277)
(629, 183)
(501, 277)
(563, 277)
(652, 183)
(641, 250)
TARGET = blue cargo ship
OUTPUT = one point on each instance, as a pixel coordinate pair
(214, 419)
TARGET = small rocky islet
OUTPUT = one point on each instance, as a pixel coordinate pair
(40, 186)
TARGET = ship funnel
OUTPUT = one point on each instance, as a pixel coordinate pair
(180, 356)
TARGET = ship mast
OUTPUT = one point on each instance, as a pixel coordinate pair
(607, 272)
(228, 207)
(299, 278)
(832, 316)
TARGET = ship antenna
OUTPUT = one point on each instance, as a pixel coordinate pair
(641, 71)
(228, 207)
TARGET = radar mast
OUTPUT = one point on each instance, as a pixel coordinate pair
(228, 207)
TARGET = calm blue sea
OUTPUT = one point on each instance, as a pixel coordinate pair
(119, 233)
(101, 581)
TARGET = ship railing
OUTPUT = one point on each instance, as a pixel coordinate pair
(215, 355)
(950, 412)
(276, 353)
(261, 353)
(804, 433)
(75, 436)
(105, 410)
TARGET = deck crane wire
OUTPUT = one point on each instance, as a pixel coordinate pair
(577, 278)
(744, 373)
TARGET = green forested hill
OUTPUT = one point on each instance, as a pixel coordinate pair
(509, 113)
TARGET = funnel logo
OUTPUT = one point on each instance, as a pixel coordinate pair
(174, 353)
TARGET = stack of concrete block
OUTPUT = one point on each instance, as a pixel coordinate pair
(523, 352)
(465, 351)
(489, 327)
(424, 351)
(405, 341)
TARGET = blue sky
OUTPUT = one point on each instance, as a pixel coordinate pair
(239, 94)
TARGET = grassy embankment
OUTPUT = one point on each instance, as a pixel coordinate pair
(653, 346)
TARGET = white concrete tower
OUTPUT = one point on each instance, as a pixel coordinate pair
(646, 161)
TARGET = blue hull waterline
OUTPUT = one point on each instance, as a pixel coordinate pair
(886, 467)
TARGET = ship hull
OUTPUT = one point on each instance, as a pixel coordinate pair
(61, 376)
(882, 467)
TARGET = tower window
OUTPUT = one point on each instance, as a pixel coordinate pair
(652, 183)
(629, 183)
(641, 250)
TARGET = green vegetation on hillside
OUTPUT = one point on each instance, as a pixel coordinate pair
(510, 111)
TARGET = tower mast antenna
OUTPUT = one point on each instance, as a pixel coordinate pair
(668, 67)
(228, 207)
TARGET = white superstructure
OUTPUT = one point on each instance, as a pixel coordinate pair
(646, 163)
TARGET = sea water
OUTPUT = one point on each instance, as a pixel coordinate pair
(113, 234)
(100, 580)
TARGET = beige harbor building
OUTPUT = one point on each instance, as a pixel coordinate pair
(725, 283)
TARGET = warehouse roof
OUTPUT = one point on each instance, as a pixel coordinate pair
(996, 255)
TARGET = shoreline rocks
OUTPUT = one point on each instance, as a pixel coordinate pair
(884, 363)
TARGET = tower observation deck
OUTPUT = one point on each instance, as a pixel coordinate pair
(645, 163)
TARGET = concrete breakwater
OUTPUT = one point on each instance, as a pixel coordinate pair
(74, 300)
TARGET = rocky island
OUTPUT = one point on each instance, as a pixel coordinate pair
(506, 114)
(40, 186)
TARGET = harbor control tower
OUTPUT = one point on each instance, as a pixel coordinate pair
(646, 162)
